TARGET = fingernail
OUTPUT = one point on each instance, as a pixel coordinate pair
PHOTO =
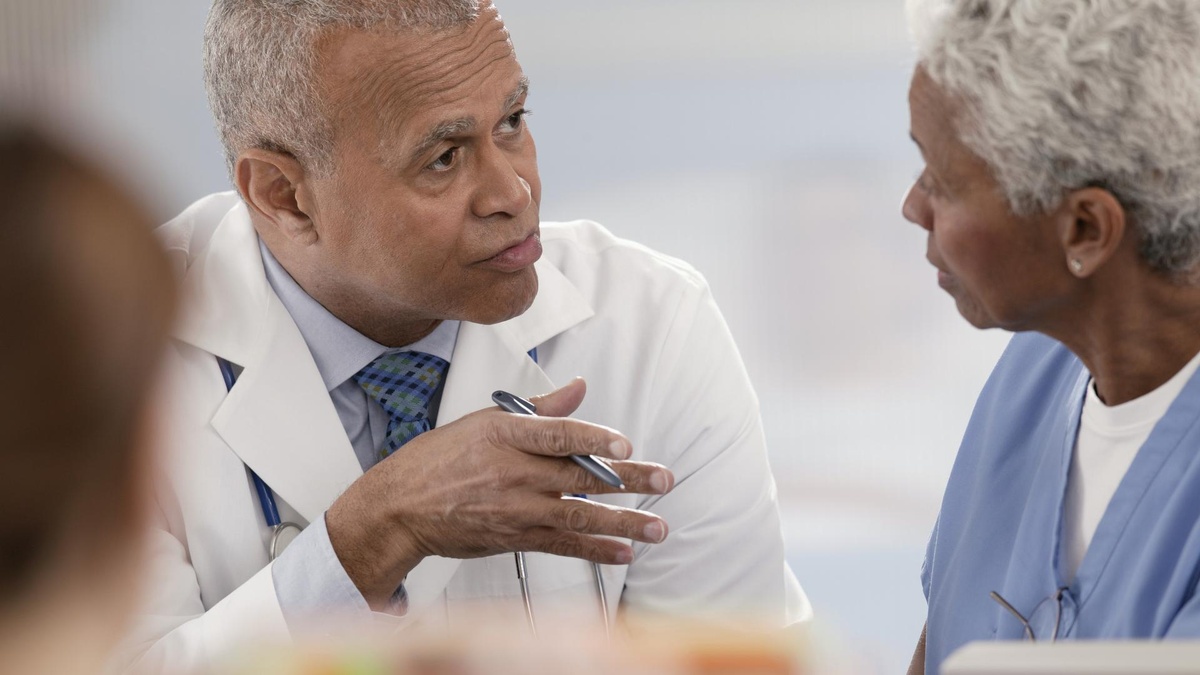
(620, 449)
(655, 532)
(659, 482)
(625, 557)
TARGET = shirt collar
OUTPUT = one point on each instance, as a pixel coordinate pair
(339, 350)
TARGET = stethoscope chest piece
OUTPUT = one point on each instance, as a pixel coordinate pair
(282, 535)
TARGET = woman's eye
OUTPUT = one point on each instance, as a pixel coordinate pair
(445, 160)
(924, 183)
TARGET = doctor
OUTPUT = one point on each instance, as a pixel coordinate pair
(381, 269)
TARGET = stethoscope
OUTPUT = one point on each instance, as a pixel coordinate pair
(266, 498)
(523, 579)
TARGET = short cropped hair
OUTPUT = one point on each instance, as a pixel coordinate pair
(261, 66)
(1058, 95)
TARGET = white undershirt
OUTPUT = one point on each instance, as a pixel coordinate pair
(1109, 438)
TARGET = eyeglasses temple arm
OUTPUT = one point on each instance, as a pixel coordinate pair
(1013, 610)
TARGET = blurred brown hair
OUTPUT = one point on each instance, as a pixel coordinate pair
(86, 299)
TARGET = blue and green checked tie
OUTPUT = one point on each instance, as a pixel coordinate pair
(403, 383)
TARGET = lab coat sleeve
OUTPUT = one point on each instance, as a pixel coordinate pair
(724, 556)
(174, 634)
(310, 580)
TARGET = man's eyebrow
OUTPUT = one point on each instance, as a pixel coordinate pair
(518, 93)
(441, 132)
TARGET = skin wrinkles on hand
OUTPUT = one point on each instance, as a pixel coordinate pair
(486, 490)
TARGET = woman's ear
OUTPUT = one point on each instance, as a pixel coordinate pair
(269, 183)
(1092, 226)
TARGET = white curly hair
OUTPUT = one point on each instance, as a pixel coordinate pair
(260, 66)
(1063, 94)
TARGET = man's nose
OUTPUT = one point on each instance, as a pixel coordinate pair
(915, 208)
(503, 191)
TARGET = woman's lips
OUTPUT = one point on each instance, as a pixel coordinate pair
(944, 279)
(518, 257)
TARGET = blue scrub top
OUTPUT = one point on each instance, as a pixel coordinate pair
(1000, 526)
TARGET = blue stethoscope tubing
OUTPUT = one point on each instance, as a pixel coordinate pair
(266, 498)
(271, 514)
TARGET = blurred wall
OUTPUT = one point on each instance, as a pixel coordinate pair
(764, 141)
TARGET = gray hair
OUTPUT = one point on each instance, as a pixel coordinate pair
(1058, 95)
(261, 66)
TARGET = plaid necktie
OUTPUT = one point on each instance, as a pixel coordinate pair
(403, 383)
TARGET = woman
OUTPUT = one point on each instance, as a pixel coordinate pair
(86, 296)
(1061, 200)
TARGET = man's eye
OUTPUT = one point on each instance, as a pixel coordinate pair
(445, 160)
(515, 121)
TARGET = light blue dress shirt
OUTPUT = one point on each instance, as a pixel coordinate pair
(308, 577)
(1000, 527)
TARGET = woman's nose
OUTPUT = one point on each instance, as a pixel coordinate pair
(915, 207)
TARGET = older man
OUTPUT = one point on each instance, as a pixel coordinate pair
(381, 270)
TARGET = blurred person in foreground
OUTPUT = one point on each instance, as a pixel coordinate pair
(380, 270)
(87, 296)
(1061, 199)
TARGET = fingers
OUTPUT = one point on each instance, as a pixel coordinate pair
(562, 401)
(557, 476)
(558, 437)
(580, 516)
(643, 478)
(584, 547)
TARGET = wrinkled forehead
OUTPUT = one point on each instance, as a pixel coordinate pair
(386, 79)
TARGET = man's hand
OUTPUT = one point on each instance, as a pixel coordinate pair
(491, 483)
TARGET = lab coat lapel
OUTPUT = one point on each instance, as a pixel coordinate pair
(280, 421)
(278, 418)
(487, 358)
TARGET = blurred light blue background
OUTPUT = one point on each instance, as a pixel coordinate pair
(764, 141)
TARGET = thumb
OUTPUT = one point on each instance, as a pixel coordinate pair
(562, 401)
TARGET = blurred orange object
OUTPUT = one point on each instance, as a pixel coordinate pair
(650, 646)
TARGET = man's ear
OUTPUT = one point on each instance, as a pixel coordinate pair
(1092, 226)
(272, 184)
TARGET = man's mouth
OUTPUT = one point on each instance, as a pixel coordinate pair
(517, 256)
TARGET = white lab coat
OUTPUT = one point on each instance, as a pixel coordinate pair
(641, 327)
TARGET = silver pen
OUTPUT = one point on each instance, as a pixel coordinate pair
(593, 465)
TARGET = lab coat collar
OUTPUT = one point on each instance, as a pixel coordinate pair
(224, 290)
(279, 418)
